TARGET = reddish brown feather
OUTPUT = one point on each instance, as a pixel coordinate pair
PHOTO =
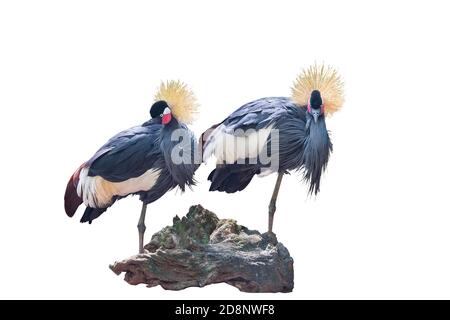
(71, 199)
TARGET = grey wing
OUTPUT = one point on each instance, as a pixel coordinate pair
(181, 157)
(128, 154)
(258, 114)
(249, 125)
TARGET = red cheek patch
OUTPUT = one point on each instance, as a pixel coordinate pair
(166, 118)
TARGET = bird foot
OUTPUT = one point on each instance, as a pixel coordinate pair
(143, 251)
(270, 237)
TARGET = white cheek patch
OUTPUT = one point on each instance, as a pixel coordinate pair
(97, 192)
(239, 145)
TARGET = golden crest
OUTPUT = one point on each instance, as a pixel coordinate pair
(322, 78)
(180, 98)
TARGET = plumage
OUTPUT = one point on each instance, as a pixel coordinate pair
(298, 148)
(138, 161)
(229, 147)
(128, 154)
(276, 135)
(97, 192)
(132, 163)
(71, 199)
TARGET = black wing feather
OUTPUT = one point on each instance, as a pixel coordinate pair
(260, 113)
(129, 154)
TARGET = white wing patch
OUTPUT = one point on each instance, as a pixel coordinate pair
(229, 147)
(97, 192)
(265, 172)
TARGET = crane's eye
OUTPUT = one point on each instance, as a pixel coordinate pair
(161, 115)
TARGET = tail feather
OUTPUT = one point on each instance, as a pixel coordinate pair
(231, 179)
(71, 199)
(92, 214)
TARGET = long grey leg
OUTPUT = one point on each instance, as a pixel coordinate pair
(141, 228)
(273, 200)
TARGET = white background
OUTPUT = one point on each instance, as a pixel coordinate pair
(73, 73)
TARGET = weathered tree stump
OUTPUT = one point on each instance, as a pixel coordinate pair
(200, 249)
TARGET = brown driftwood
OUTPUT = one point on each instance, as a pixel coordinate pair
(200, 249)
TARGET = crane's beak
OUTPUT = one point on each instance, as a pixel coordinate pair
(166, 116)
(316, 114)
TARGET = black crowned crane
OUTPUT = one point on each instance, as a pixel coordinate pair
(289, 131)
(147, 160)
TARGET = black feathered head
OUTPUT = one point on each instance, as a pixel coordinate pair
(315, 105)
(161, 110)
(315, 101)
(158, 108)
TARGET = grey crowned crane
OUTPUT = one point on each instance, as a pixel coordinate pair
(276, 135)
(140, 161)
